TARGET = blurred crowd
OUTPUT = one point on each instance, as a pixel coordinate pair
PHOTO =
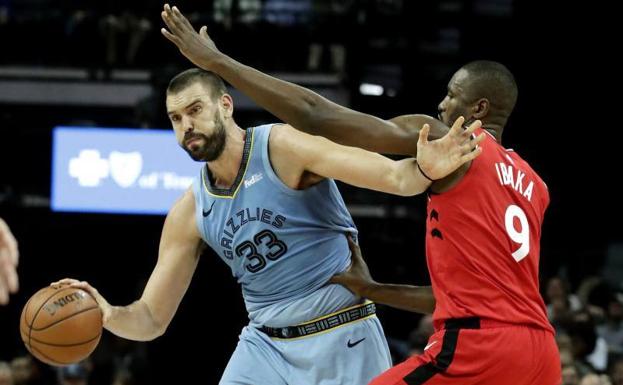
(121, 34)
(115, 362)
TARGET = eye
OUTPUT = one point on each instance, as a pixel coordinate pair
(196, 109)
(175, 118)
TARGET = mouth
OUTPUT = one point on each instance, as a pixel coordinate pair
(192, 141)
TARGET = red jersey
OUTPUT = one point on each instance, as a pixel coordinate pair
(483, 241)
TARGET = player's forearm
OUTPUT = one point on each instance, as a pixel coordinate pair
(413, 123)
(408, 178)
(133, 322)
(418, 299)
(289, 102)
(312, 113)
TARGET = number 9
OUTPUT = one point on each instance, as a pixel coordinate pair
(522, 237)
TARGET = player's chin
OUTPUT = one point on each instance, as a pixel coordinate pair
(196, 153)
(443, 118)
(197, 156)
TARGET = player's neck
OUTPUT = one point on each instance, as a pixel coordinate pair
(496, 132)
(225, 169)
(494, 124)
(494, 128)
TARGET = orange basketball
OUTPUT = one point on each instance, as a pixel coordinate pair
(62, 325)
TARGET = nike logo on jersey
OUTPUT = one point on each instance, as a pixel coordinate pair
(429, 345)
(351, 344)
(206, 213)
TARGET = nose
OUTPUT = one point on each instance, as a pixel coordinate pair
(187, 124)
(442, 105)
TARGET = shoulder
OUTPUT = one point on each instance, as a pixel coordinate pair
(282, 132)
(284, 137)
(287, 154)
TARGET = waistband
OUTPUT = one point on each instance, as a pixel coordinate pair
(473, 323)
(324, 323)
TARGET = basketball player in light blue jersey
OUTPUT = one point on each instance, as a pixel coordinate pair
(266, 202)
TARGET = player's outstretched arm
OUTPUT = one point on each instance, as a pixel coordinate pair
(357, 279)
(8, 263)
(149, 317)
(370, 170)
(296, 105)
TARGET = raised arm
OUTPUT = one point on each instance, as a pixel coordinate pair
(149, 316)
(357, 279)
(296, 105)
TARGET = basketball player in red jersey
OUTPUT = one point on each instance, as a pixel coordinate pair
(483, 224)
(483, 233)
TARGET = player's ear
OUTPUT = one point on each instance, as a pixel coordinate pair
(227, 104)
(481, 108)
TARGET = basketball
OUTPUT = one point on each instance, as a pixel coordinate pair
(61, 326)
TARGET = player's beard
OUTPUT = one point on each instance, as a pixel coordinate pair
(212, 146)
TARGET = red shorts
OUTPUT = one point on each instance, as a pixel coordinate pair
(495, 354)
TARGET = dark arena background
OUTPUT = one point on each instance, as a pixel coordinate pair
(105, 64)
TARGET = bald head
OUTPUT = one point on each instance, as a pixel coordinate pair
(483, 90)
(493, 81)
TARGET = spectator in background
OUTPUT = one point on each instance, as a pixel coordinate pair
(418, 338)
(123, 377)
(125, 27)
(594, 379)
(566, 357)
(26, 371)
(239, 20)
(616, 372)
(589, 351)
(81, 33)
(75, 374)
(570, 375)
(286, 18)
(5, 11)
(329, 16)
(559, 298)
(5, 18)
(6, 375)
(232, 14)
(612, 330)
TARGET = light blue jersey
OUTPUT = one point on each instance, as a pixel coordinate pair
(281, 244)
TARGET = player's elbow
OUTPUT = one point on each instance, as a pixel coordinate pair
(152, 331)
(156, 324)
(158, 332)
(159, 326)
